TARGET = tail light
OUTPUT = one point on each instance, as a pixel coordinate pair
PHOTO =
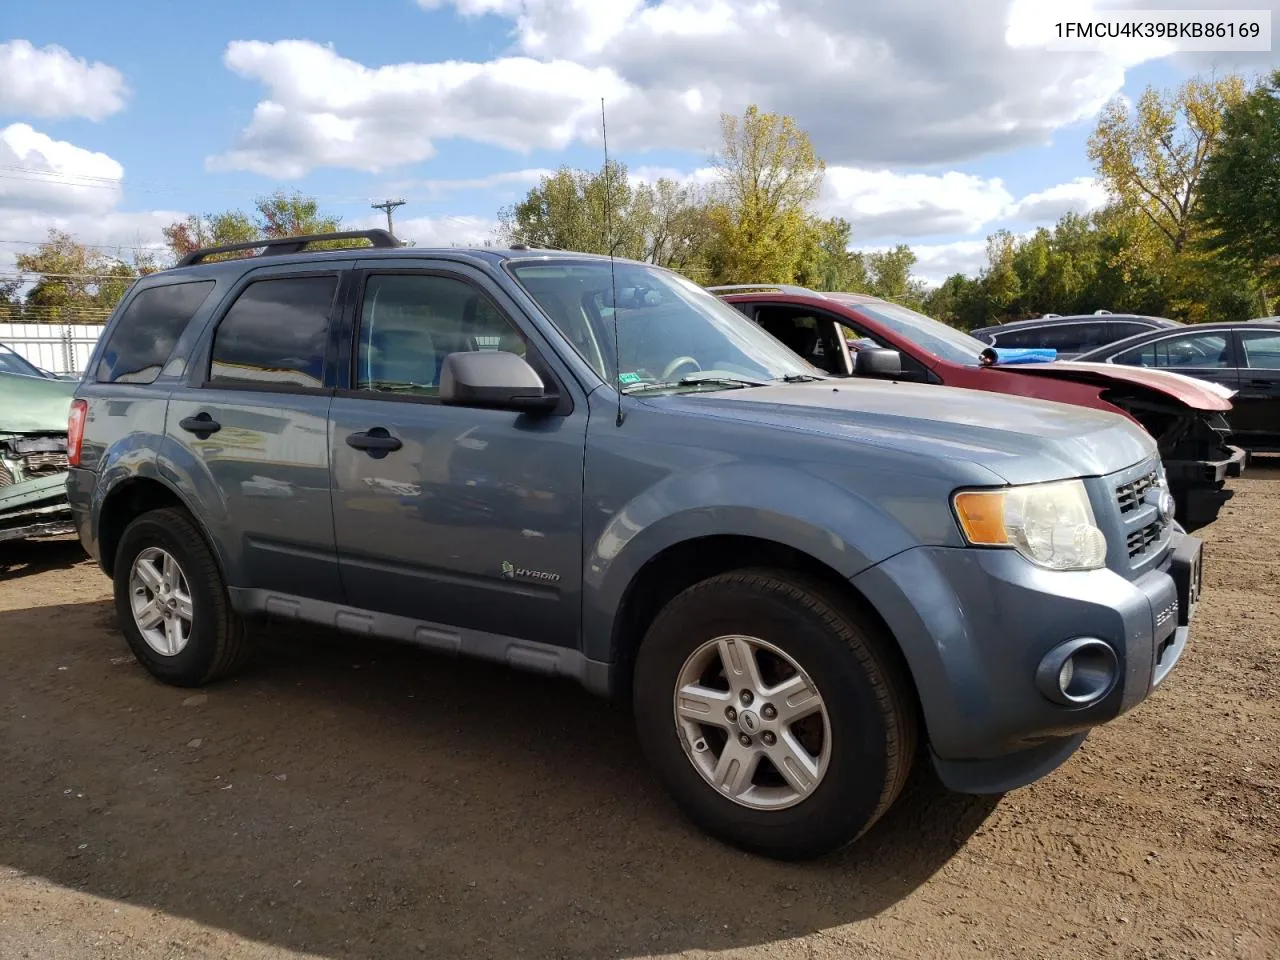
(75, 431)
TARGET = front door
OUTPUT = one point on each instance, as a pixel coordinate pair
(1255, 413)
(1205, 355)
(465, 517)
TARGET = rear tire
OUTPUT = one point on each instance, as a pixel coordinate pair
(172, 603)
(839, 782)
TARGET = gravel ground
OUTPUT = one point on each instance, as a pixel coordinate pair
(349, 799)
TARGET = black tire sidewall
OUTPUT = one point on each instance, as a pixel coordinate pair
(851, 792)
(194, 662)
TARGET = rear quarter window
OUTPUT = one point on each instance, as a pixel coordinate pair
(275, 333)
(148, 330)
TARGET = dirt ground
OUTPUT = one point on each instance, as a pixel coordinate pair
(354, 800)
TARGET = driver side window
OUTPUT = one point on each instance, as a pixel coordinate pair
(409, 323)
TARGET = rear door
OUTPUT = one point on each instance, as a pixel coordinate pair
(1255, 414)
(473, 518)
(248, 432)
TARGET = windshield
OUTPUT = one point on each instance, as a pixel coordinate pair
(944, 342)
(672, 334)
(12, 362)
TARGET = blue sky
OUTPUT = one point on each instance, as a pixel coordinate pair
(935, 129)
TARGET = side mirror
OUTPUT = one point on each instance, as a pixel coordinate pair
(493, 378)
(877, 362)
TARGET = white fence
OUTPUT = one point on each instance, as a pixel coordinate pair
(56, 347)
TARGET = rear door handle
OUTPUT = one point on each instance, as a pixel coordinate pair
(201, 425)
(1261, 383)
(376, 442)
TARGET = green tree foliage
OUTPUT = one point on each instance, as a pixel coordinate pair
(1152, 159)
(274, 216)
(74, 283)
(1240, 189)
(769, 176)
(889, 276)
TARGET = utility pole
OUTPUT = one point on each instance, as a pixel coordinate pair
(388, 205)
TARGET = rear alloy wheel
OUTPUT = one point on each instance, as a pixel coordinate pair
(172, 603)
(773, 714)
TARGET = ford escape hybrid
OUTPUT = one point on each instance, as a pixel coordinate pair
(801, 584)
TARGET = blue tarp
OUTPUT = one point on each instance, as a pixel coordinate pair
(1007, 356)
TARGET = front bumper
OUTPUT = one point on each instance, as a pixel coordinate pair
(35, 508)
(974, 625)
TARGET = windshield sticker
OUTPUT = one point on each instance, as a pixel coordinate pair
(628, 378)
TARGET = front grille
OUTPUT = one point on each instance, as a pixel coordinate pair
(1141, 539)
(44, 464)
(1129, 495)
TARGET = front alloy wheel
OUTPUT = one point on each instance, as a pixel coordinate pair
(753, 722)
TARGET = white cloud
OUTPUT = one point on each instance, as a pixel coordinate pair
(937, 261)
(327, 111)
(54, 175)
(884, 204)
(1081, 195)
(912, 82)
(50, 82)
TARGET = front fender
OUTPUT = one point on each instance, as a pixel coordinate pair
(838, 527)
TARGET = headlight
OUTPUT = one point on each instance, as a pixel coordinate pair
(1051, 524)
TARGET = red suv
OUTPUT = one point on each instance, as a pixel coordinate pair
(853, 334)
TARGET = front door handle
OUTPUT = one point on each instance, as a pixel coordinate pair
(376, 442)
(201, 425)
(1261, 383)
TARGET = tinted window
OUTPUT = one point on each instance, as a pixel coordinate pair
(1188, 350)
(1074, 337)
(1020, 339)
(275, 332)
(1126, 328)
(146, 333)
(1261, 350)
(409, 324)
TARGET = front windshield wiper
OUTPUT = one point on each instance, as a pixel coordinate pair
(800, 377)
(695, 379)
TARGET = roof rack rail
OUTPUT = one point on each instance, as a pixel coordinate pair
(780, 287)
(1102, 313)
(282, 245)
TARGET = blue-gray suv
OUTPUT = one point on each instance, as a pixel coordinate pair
(597, 469)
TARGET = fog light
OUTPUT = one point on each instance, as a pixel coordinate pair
(1079, 672)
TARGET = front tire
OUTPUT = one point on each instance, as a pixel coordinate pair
(772, 714)
(172, 603)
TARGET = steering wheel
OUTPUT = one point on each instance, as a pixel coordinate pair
(677, 363)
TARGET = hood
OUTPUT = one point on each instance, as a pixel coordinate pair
(1019, 439)
(1196, 394)
(34, 404)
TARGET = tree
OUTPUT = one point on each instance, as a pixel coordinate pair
(74, 282)
(890, 276)
(274, 216)
(1152, 160)
(1240, 189)
(769, 175)
(829, 264)
(567, 211)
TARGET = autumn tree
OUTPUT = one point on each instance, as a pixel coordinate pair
(274, 216)
(1240, 189)
(567, 211)
(74, 282)
(1152, 159)
(768, 177)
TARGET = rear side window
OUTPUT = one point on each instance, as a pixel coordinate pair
(275, 333)
(1028, 337)
(1261, 350)
(1075, 337)
(1127, 328)
(148, 330)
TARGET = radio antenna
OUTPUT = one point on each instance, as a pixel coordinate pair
(613, 279)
